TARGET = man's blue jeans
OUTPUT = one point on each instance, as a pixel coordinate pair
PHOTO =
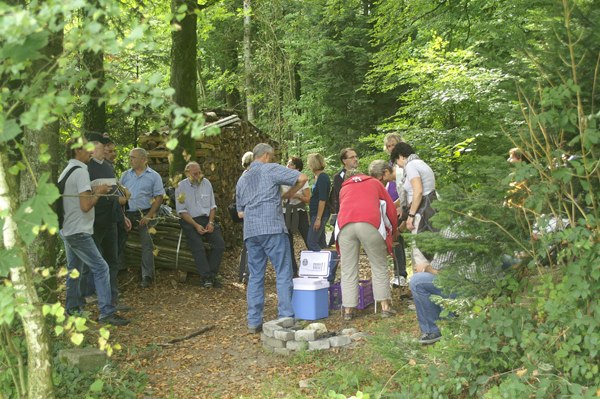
(105, 237)
(423, 287)
(277, 248)
(81, 249)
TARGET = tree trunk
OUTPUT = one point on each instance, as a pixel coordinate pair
(248, 59)
(94, 112)
(43, 250)
(184, 79)
(39, 367)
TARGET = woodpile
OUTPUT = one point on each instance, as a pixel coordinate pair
(219, 157)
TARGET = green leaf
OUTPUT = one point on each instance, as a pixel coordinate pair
(97, 386)
(9, 258)
(9, 129)
(77, 338)
(172, 144)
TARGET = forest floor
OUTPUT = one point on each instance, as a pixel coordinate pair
(225, 361)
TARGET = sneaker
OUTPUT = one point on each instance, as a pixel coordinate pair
(207, 284)
(402, 281)
(113, 319)
(395, 282)
(430, 338)
(146, 282)
(255, 329)
(216, 283)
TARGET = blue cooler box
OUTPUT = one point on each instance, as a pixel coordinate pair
(311, 290)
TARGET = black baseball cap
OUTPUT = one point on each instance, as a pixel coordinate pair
(100, 137)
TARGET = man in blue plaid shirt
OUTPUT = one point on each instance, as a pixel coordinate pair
(258, 199)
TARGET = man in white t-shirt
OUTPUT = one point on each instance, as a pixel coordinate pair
(79, 199)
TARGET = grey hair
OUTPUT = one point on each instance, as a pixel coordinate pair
(261, 149)
(378, 167)
(192, 163)
(247, 159)
(142, 152)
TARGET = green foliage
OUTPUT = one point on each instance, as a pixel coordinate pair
(111, 382)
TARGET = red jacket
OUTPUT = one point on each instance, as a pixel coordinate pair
(359, 202)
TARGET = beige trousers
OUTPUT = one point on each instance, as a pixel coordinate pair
(350, 239)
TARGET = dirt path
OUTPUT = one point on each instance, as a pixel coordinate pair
(224, 362)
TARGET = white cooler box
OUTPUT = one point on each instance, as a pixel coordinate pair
(311, 290)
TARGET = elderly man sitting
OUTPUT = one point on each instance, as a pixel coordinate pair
(195, 204)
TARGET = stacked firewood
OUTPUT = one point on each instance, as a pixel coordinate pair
(220, 159)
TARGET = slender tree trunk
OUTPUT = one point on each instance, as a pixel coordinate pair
(39, 370)
(184, 79)
(248, 59)
(94, 112)
(43, 250)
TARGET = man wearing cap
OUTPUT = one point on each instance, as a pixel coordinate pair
(146, 188)
(79, 199)
(195, 204)
(105, 221)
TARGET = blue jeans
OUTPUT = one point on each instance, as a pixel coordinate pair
(277, 248)
(105, 238)
(80, 249)
(315, 240)
(423, 287)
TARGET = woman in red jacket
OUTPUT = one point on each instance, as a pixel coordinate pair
(367, 217)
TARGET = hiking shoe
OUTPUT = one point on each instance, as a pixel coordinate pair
(123, 308)
(113, 319)
(216, 283)
(146, 282)
(255, 330)
(430, 338)
(207, 284)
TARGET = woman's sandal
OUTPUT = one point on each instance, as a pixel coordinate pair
(385, 313)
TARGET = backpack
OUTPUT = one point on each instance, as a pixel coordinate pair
(60, 208)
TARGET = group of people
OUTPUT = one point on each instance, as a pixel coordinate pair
(100, 209)
(365, 210)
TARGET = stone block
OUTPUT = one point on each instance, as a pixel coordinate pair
(268, 348)
(287, 322)
(283, 351)
(320, 328)
(339, 340)
(359, 336)
(85, 359)
(349, 331)
(274, 342)
(306, 335)
(284, 335)
(270, 327)
(319, 344)
(297, 345)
